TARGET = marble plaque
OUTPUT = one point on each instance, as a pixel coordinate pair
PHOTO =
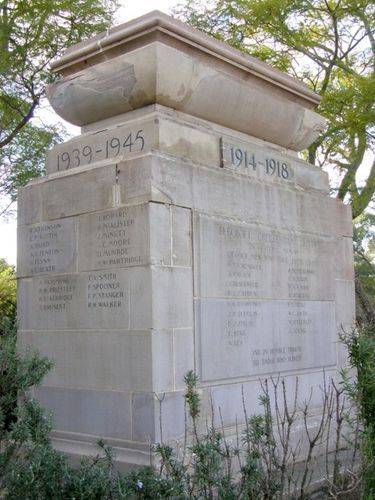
(47, 248)
(240, 338)
(241, 260)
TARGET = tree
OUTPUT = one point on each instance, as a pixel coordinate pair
(330, 45)
(364, 261)
(8, 291)
(32, 33)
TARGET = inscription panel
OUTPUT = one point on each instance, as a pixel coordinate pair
(251, 159)
(117, 238)
(47, 248)
(88, 300)
(241, 338)
(117, 144)
(250, 261)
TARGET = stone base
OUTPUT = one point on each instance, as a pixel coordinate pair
(177, 255)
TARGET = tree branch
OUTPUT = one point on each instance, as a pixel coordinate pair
(21, 124)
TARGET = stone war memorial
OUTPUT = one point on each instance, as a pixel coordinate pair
(180, 231)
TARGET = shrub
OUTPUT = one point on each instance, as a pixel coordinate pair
(360, 343)
(8, 291)
(261, 462)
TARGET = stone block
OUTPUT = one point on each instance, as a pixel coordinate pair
(183, 347)
(181, 236)
(309, 177)
(104, 414)
(144, 417)
(79, 192)
(47, 248)
(109, 144)
(172, 304)
(125, 237)
(162, 360)
(97, 299)
(341, 214)
(97, 360)
(343, 260)
(256, 161)
(295, 335)
(186, 141)
(231, 401)
(158, 417)
(29, 205)
(184, 183)
(172, 417)
(345, 315)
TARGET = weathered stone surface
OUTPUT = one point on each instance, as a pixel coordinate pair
(29, 205)
(233, 398)
(123, 238)
(179, 232)
(84, 192)
(256, 161)
(96, 359)
(146, 416)
(241, 260)
(345, 314)
(167, 180)
(112, 144)
(97, 299)
(343, 260)
(99, 413)
(181, 236)
(172, 305)
(187, 141)
(47, 248)
(183, 346)
(131, 79)
(258, 337)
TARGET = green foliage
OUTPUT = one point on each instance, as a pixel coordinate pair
(361, 348)
(364, 253)
(8, 291)
(209, 466)
(327, 44)
(32, 33)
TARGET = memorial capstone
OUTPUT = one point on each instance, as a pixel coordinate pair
(179, 231)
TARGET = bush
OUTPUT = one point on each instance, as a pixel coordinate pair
(8, 292)
(261, 462)
(361, 347)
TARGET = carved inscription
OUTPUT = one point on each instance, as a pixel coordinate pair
(116, 238)
(248, 261)
(47, 248)
(116, 143)
(104, 291)
(257, 337)
(55, 294)
(265, 299)
(77, 301)
(260, 162)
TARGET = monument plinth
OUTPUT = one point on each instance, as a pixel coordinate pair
(179, 231)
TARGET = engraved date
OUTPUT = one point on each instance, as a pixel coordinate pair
(112, 147)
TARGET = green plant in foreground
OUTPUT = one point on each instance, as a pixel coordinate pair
(361, 349)
(259, 465)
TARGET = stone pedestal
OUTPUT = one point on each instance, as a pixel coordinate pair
(179, 231)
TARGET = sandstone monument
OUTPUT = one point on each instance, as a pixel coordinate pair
(179, 231)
